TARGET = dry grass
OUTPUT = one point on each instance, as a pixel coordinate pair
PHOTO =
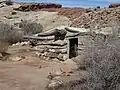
(10, 35)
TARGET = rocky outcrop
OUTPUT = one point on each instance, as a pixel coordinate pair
(98, 18)
(36, 6)
(114, 5)
(94, 18)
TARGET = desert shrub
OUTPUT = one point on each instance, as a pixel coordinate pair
(103, 65)
(9, 34)
(104, 68)
(9, 2)
(3, 46)
(30, 27)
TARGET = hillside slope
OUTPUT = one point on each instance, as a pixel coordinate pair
(47, 19)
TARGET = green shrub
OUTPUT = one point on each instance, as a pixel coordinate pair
(30, 27)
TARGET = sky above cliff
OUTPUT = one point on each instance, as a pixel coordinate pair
(77, 3)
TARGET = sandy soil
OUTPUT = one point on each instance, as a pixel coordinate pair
(24, 77)
(30, 73)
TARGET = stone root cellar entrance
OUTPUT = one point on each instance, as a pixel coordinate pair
(73, 47)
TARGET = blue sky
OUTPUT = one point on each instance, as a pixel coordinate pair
(77, 3)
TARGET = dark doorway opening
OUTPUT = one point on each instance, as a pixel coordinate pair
(73, 47)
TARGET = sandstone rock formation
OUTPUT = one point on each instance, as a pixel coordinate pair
(36, 6)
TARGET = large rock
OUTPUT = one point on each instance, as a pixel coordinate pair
(36, 6)
(15, 59)
(53, 84)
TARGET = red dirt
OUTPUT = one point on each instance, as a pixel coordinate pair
(71, 13)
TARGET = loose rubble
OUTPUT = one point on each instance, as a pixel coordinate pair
(98, 18)
(21, 43)
(94, 18)
(54, 83)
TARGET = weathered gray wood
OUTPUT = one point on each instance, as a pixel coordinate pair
(48, 33)
(53, 32)
(62, 51)
(77, 30)
(51, 55)
(71, 30)
(56, 43)
(51, 47)
(71, 35)
(39, 38)
(48, 37)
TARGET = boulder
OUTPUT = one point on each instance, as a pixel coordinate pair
(53, 84)
(55, 75)
(58, 73)
(15, 58)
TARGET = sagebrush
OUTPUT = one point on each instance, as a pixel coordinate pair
(103, 64)
(3, 46)
(9, 34)
(30, 27)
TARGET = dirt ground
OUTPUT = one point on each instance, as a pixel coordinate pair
(24, 77)
(21, 77)
(28, 73)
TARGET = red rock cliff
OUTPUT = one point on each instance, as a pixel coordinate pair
(36, 6)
